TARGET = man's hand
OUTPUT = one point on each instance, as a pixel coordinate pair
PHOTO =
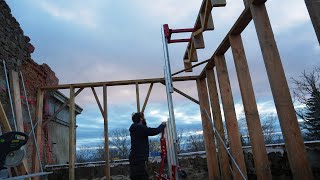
(164, 123)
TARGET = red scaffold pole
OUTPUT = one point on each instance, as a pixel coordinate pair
(163, 154)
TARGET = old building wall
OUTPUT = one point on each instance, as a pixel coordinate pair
(15, 50)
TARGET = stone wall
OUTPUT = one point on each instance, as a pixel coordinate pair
(194, 164)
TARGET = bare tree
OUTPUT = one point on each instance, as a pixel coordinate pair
(268, 128)
(306, 85)
(180, 136)
(267, 124)
(120, 139)
(84, 154)
(154, 144)
(195, 142)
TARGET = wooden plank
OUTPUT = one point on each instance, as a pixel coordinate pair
(97, 100)
(147, 98)
(208, 134)
(193, 55)
(118, 83)
(184, 94)
(72, 135)
(215, 106)
(260, 157)
(137, 97)
(60, 109)
(38, 132)
(297, 154)
(241, 23)
(15, 91)
(4, 120)
(198, 41)
(14, 80)
(313, 7)
(230, 116)
(187, 66)
(106, 137)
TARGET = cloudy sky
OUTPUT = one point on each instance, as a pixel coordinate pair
(104, 40)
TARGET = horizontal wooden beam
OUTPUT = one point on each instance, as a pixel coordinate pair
(118, 83)
(241, 23)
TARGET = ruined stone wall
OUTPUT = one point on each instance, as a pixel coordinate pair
(15, 50)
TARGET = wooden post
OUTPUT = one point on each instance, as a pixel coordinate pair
(137, 96)
(314, 12)
(230, 116)
(14, 79)
(72, 126)
(106, 137)
(208, 134)
(260, 157)
(147, 98)
(215, 106)
(297, 154)
(38, 132)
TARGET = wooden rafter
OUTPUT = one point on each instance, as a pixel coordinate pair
(118, 83)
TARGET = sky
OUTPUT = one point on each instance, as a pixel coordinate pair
(106, 40)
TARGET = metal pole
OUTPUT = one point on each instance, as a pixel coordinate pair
(32, 127)
(169, 89)
(9, 93)
(217, 133)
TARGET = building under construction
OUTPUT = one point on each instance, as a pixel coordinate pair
(31, 103)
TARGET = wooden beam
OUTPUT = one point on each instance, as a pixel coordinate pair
(208, 134)
(15, 91)
(241, 23)
(314, 12)
(4, 120)
(203, 23)
(187, 66)
(61, 108)
(14, 79)
(106, 137)
(261, 162)
(147, 98)
(185, 95)
(230, 116)
(137, 97)
(215, 106)
(297, 154)
(38, 132)
(72, 135)
(118, 83)
(97, 100)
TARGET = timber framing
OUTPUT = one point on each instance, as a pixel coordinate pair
(206, 84)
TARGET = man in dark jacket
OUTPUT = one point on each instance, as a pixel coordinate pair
(139, 153)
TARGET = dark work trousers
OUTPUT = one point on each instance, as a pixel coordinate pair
(138, 170)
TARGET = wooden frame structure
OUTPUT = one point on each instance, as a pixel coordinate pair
(218, 164)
